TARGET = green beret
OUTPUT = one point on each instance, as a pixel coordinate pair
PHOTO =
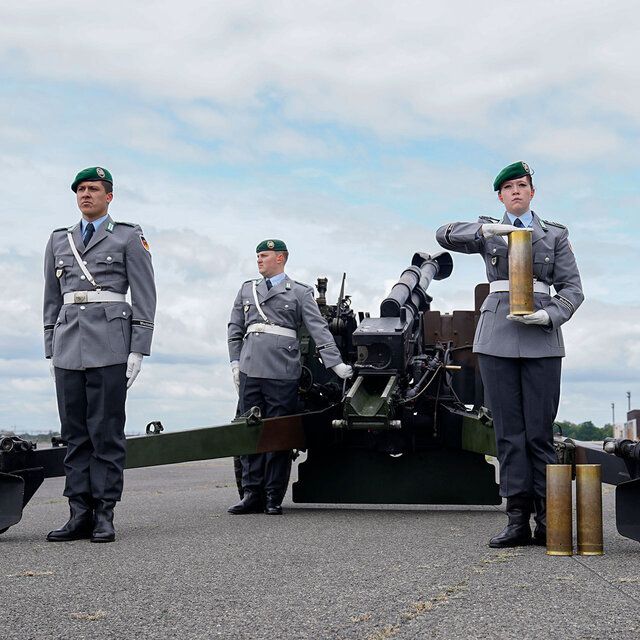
(271, 245)
(92, 174)
(513, 171)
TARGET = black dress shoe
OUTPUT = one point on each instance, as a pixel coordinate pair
(103, 530)
(540, 536)
(273, 503)
(250, 503)
(79, 525)
(273, 509)
(518, 532)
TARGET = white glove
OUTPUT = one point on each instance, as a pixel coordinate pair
(343, 370)
(134, 364)
(540, 317)
(491, 229)
(52, 369)
(235, 372)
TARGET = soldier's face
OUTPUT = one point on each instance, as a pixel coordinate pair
(92, 199)
(516, 195)
(270, 263)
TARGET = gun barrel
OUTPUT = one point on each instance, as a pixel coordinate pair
(411, 289)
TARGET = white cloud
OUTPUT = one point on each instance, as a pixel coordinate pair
(403, 68)
(225, 123)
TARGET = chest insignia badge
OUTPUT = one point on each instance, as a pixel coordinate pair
(494, 260)
(59, 273)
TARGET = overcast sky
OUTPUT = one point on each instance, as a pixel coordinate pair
(352, 130)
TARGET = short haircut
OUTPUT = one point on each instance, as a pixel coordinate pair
(108, 187)
(285, 254)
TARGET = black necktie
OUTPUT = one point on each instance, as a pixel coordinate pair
(518, 223)
(88, 234)
(269, 285)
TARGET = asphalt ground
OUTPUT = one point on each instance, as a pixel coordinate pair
(181, 567)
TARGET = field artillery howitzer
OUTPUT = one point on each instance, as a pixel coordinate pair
(410, 428)
(402, 433)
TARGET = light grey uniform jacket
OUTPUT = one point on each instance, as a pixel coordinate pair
(553, 263)
(288, 304)
(98, 334)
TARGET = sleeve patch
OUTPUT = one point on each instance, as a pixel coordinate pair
(566, 303)
(144, 243)
(145, 324)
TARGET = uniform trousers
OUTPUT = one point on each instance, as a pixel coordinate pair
(267, 472)
(91, 407)
(523, 396)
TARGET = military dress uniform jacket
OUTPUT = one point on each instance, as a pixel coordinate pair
(553, 263)
(288, 304)
(98, 334)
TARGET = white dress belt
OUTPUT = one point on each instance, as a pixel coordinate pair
(81, 297)
(260, 327)
(498, 286)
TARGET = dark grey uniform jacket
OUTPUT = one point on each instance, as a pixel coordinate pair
(98, 334)
(289, 304)
(553, 263)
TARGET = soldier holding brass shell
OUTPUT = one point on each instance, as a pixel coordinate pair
(520, 350)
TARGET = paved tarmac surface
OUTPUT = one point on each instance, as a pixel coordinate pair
(183, 568)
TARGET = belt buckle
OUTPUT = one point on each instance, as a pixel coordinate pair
(80, 296)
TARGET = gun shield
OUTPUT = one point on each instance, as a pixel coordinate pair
(589, 509)
(559, 510)
(520, 273)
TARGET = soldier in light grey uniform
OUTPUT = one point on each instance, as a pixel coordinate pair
(265, 362)
(95, 340)
(520, 357)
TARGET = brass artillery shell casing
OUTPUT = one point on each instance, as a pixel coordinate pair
(520, 273)
(589, 509)
(559, 510)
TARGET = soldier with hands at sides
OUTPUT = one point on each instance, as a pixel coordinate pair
(265, 363)
(520, 356)
(96, 341)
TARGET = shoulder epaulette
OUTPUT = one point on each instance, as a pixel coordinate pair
(302, 284)
(554, 224)
(127, 224)
(251, 281)
(488, 219)
(62, 229)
